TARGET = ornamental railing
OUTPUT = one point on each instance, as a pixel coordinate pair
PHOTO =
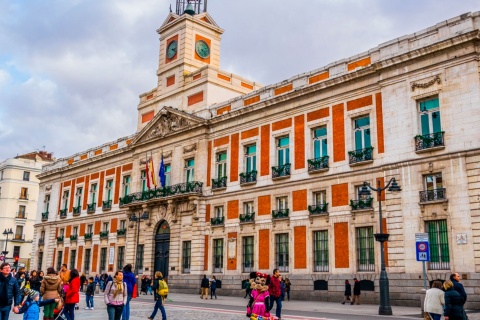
(361, 204)
(433, 195)
(63, 213)
(45, 216)
(91, 207)
(217, 221)
(219, 183)
(428, 141)
(318, 164)
(104, 234)
(281, 171)
(60, 239)
(41, 241)
(107, 205)
(77, 210)
(318, 208)
(360, 155)
(121, 232)
(280, 214)
(158, 193)
(248, 177)
(247, 217)
(88, 236)
(73, 237)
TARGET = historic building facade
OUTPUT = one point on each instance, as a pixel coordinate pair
(264, 177)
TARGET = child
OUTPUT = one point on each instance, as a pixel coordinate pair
(89, 294)
(31, 306)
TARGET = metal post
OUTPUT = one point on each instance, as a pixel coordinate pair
(424, 276)
(385, 308)
(136, 245)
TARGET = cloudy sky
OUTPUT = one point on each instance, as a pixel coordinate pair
(71, 71)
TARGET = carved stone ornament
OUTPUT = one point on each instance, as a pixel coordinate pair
(232, 248)
(48, 188)
(191, 148)
(167, 155)
(426, 84)
(167, 124)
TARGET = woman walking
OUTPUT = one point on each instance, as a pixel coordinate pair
(434, 301)
(288, 284)
(72, 296)
(159, 299)
(50, 288)
(348, 292)
(130, 281)
(213, 287)
(453, 303)
(34, 281)
(115, 296)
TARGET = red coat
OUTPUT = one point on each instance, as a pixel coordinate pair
(73, 295)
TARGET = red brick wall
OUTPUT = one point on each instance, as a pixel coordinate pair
(379, 111)
(232, 209)
(205, 254)
(340, 195)
(300, 142)
(234, 143)
(341, 245)
(338, 133)
(300, 247)
(264, 249)
(318, 114)
(299, 200)
(265, 151)
(264, 205)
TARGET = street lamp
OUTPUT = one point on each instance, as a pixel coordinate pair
(385, 308)
(6, 233)
(135, 219)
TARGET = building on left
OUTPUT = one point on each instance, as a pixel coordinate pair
(19, 189)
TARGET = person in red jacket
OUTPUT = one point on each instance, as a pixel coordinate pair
(72, 296)
(275, 290)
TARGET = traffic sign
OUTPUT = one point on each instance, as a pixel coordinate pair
(422, 247)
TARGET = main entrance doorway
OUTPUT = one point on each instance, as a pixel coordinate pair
(162, 248)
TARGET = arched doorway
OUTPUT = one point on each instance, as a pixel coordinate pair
(162, 248)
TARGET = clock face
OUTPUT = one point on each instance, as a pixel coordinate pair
(172, 49)
(202, 49)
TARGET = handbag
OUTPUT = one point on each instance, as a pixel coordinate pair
(426, 316)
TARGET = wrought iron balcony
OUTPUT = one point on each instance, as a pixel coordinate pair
(429, 141)
(280, 214)
(45, 216)
(318, 164)
(23, 196)
(77, 210)
(361, 204)
(73, 237)
(91, 207)
(41, 241)
(181, 189)
(63, 213)
(281, 171)
(104, 234)
(21, 215)
(433, 195)
(18, 237)
(217, 221)
(361, 155)
(60, 239)
(248, 177)
(88, 236)
(247, 217)
(220, 183)
(107, 205)
(121, 232)
(318, 208)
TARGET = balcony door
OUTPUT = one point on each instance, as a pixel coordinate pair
(162, 248)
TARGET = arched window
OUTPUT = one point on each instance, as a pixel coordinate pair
(163, 228)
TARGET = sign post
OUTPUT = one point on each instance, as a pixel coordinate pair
(422, 253)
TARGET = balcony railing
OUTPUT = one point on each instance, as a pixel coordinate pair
(104, 234)
(91, 207)
(60, 239)
(433, 195)
(73, 237)
(429, 141)
(248, 177)
(217, 221)
(121, 232)
(21, 215)
(361, 155)
(168, 191)
(281, 171)
(361, 204)
(77, 210)
(88, 236)
(23, 196)
(45, 216)
(247, 217)
(318, 164)
(219, 183)
(63, 213)
(318, 208)
(19, 237)
(107, 205)
(280, 214)
(41, 241)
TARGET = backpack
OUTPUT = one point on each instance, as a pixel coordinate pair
(162, 288)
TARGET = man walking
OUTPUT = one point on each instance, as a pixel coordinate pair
(9, 292)
(457, 286)
(356, 291)
(275, 291)
(204, 287)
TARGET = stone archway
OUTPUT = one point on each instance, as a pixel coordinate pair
(162, 248)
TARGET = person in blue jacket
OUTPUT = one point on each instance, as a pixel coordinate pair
(9, 292)
(130, 280)
(31, 306)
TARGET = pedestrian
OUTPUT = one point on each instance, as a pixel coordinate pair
(143, 287)
(89, 292)
(83, 280)
(34, 281)
(275, 291)
(356, 291)
(50, 288)
(41, 275)
(72, 296)
(115, 296)
(213, 287)
(9, 292)
(31, 306)
(453, 303)
(21, 277)
(282, 287)
(246, 285)
(64, 274)
(150, 285)
(348, 291)
(204, 287)
(159, 300)
(130, 281)
(434, 301)
(455, 278)
(288, 285)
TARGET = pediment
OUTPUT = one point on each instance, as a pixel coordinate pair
(166, 122)
(205, 17)
(171, 17)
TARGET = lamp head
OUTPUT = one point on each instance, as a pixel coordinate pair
(394, 187)
(133, 217)
(365, 190)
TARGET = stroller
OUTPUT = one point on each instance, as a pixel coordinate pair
(58, 313)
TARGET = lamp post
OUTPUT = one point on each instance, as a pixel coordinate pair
(385, 308)
(135, 219)
(6, 233)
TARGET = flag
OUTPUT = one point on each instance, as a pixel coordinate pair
(147, 174)
(152, 173)
(161, 173)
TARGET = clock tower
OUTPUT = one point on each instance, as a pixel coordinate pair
(189, 75)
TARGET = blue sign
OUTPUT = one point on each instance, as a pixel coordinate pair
(423, 252)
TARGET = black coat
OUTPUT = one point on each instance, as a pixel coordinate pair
(35, 283)
(13, 290)
(205, 283)
(348, 289)
(356, 288)
(459, 288)
(454, 305)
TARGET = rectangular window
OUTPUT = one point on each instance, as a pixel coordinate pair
(247, 254)
(282, 203)
(126, 185)
(120, 258)
(143, 180)
(86, 264)
(40, 260)
(186, 256)
(46, 205)
(1, 175)
(218, 255)
(73, 256)
(438, 241)
(250, 158)
(221, 165)
(59, 260)
(140, 254)
(78, 194)
(62, 232)
(108, 190)
(103, 260)
(248, 207)
(430, 116)
(189, 170)
(105, 226)
(26, 176)
(16, 251)
(433, 181)
(90, 228)
(19, 233)
(24, 193)
(75, 231)
(218, 211)
(362, 133)
(320, 251)
(93, 193)
(320, 198)
(65, 199)
(281, 251)
(365, 249)
(168, 179)
(319, 142)
(123, 224)
(21, 212)
(283, 151)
